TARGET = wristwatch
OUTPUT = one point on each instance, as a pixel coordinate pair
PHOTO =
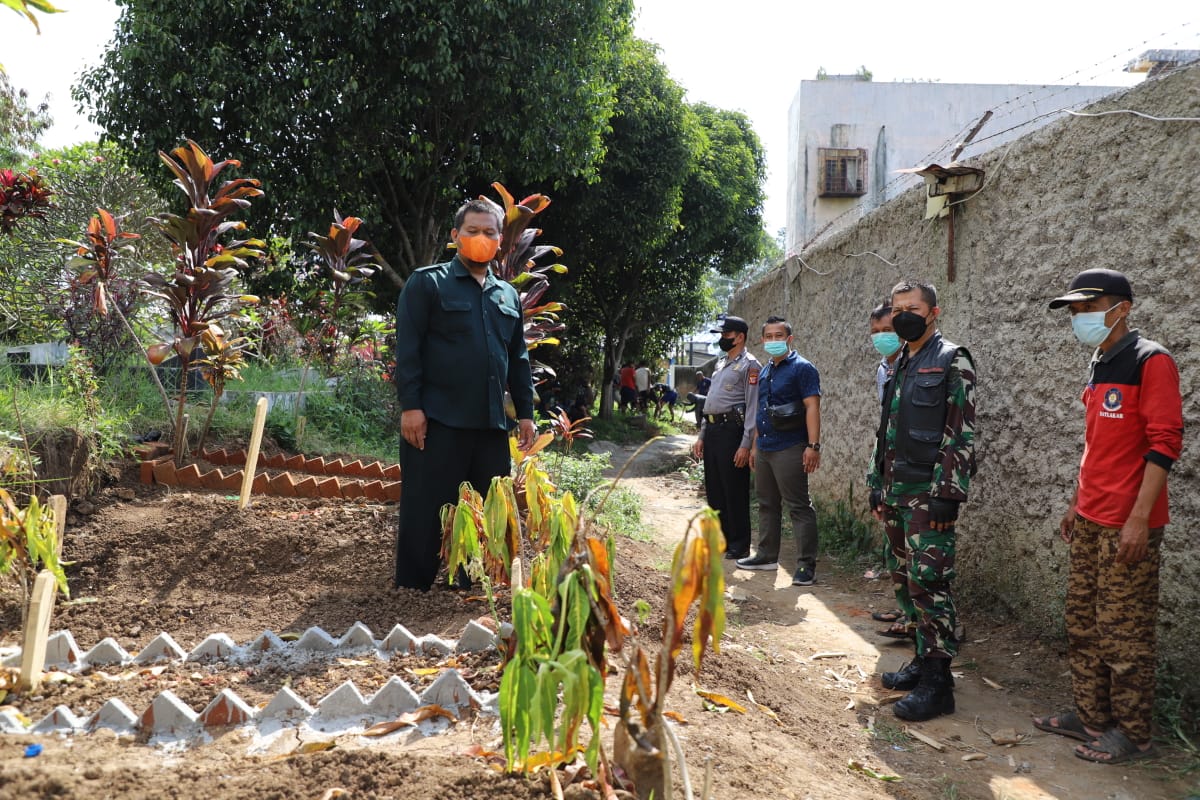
(816, 446)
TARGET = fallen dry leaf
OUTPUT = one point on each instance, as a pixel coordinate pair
(353, 662)
(676, 716)
(819, 656)
(719, 699)
(974, 757)
(991, 683)
(409, 719)
(314, 747)
(421, 672)
(764, 709)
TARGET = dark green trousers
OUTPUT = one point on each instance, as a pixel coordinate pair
(431, 480)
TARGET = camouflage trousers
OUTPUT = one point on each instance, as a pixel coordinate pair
(1111, 616)
(922, 566)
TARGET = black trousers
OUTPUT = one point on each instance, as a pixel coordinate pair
(431, 480)
(727, 486)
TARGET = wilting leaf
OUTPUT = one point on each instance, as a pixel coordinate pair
(676, 716)
(858, 766)
(314, 747)
(719, 699)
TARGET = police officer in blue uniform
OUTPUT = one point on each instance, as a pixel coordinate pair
(726, 434)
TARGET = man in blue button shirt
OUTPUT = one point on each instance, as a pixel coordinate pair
(786, 449)
(460, 343)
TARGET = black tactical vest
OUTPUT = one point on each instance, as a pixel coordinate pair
(921, 419)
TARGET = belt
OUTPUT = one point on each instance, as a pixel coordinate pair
(728, 416)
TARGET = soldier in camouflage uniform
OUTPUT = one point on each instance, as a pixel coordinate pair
(921, 471)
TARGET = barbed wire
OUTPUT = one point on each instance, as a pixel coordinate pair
(1135, 113)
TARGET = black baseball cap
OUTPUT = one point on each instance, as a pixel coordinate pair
(1092, 283)
(732, 325)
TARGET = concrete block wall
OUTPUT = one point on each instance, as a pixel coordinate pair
(1112, 191)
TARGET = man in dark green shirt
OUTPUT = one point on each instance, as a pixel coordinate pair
(460, 343)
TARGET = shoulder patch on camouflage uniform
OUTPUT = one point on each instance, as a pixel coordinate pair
(753, 373)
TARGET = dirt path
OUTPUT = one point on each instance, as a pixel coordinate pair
(828, 704)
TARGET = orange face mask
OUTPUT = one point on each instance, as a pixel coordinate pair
(479, 248)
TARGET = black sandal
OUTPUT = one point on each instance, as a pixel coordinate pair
(1069, 725)
(899, 630)
(895, 615)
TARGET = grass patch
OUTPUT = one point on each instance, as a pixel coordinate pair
(847, 533)
(635, 428)
(891, 733)
(582, 475)
(1177, 714)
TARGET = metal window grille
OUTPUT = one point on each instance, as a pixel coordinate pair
(843, 172)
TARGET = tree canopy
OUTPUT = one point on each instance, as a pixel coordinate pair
(679, 195)
(21, 123)
(393, 111)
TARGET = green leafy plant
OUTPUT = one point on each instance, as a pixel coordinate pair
(554, 681)
(28, 544)
(200, 291)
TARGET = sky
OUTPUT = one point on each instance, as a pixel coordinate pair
(750, 55)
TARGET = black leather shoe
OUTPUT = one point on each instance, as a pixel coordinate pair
(733, 555)
(934, 695)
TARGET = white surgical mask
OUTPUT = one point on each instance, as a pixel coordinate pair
(1089, 327)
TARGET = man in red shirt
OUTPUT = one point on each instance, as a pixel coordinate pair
(1133, 436)
(628, 393)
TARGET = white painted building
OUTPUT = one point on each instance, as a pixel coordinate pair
(847, 137)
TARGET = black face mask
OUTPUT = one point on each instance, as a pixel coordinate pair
(727, 344)
(909, 326)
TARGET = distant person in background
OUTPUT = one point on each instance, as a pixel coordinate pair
(664, 397)
(628, 387)
(696, 397)
(641, 380)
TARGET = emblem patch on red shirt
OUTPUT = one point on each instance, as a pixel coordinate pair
(1112, 399)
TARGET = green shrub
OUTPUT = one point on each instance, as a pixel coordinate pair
(846, 532)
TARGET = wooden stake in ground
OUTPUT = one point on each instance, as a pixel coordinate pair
(37, 630)
(260, 419)
(59, 505)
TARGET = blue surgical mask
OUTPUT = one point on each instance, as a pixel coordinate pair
(775, 349)
(1089, 327)
(886, 342)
